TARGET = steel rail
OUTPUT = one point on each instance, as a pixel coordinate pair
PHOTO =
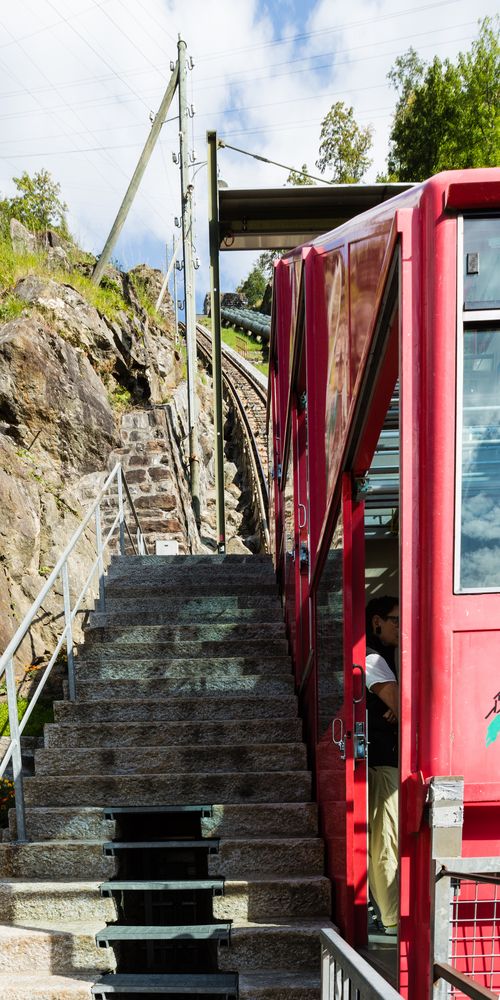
(259, 476)
(342, 968)
(61, 572)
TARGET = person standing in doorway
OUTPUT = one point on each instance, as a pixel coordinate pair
(382, 700)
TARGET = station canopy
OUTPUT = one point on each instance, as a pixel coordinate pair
(283, 218)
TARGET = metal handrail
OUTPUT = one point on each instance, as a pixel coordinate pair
(70, 611)
(466, 985)
(342, 966)
(482, 871)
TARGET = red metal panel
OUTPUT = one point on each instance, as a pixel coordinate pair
(316, 350)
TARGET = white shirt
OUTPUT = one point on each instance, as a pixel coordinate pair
(378, 671)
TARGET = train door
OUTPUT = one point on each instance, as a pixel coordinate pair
(342, 751)
(302, 510)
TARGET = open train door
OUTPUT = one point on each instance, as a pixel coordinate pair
(341, 749)
(340, 621)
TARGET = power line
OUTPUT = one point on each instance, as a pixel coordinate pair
(48, 27)
(99, 55)
(334, 53)
(264, 159)
(326, 31)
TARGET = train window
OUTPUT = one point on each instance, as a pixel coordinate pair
(481, 263)
(480, 459)
(329, 632)
(477, 557)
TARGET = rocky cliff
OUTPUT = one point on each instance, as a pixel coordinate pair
(77, 370)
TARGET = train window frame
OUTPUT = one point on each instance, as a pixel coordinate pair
(466, 320)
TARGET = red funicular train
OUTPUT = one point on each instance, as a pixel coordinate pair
(385, 451)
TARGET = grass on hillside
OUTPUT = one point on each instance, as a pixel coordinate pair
(106, 298)
(243, 344)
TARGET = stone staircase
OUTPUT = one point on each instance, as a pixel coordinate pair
(177, 782)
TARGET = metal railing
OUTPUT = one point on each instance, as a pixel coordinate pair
(345, 975)
(467, 928)
(60, 576)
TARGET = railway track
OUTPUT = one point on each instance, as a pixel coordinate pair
(249, 397)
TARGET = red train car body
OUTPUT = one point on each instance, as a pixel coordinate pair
(385, 457)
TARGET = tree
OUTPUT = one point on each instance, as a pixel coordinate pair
(300, 178)
(253, 286)
(38, 206)
(447, 115)
(344, 145)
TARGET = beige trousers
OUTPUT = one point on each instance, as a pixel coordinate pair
(383, 841)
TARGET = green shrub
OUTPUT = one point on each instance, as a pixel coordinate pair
(42, 713)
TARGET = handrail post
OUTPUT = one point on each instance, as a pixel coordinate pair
(69, 632)
(100, 563)
(17, 758)
(121, 511)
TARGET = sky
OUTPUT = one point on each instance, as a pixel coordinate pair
(81, 79)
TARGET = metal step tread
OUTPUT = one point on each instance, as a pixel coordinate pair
(110, 811)
(217, 884)
(205, 983)
(162, 932)
(131, 845)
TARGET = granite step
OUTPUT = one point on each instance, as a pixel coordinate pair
(279, 984)
(174, 760)
(299, 819)
(223, 648)
(70, 823)
(21, 901)
(146, 789)
(208, 686)
(266, 896)
(68, 860)
(192, 588)
(195, 606)
(41, 986)
(54, 947)
(168, 709)
(275, 855)
(191, 563)
(244, 633)
(226, 731)
(281, 944)
(255, 897)
(103, 666)
(165, 615)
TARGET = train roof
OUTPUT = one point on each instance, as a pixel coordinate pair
(282, 218)
(452, 190)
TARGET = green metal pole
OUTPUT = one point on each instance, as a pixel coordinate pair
(213, 223)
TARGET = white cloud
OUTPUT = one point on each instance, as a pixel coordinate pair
(79, 79)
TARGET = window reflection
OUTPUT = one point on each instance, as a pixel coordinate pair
(329, 634)
(482, 263)
(480, 512)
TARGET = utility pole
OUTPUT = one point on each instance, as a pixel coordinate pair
(213, 225)
(137, 177)
(176, 304)
(187, 191)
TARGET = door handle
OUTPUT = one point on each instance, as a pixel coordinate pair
(357, 666)
(302, 524)
(338, 731)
